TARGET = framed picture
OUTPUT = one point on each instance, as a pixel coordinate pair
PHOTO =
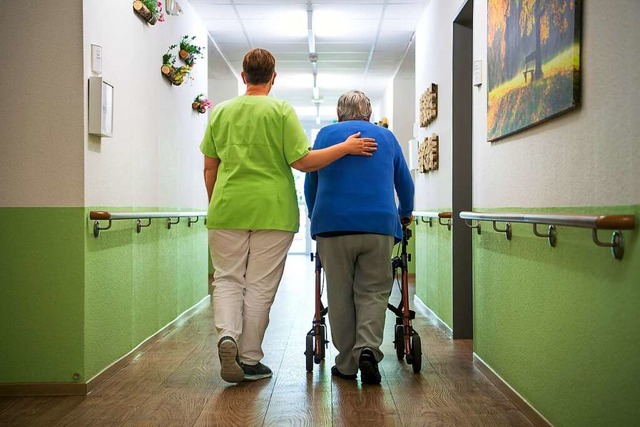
(533, 62)
(100, 107)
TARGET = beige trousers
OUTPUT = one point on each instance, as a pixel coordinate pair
(248, 268)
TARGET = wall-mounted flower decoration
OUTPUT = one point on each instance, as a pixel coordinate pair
(149, 10)
(201, 104)
(176, 75)
(189, 51)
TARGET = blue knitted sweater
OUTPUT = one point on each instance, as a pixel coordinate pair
(356, 194)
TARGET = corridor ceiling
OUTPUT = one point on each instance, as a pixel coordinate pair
(360, 44)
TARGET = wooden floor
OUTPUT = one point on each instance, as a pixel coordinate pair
(176, 382)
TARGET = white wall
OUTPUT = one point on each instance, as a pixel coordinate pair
(403, 112)
(42, 105)
(153, 159)
(223, 83)
(386, 104)
(587, 157)
(433, 45)
(404, 109)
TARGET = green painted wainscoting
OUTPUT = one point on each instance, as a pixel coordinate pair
(41, 294)
(72, 304)
(561, 325)
(433, 268)
(137, 283)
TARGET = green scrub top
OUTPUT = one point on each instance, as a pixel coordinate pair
(256, 139)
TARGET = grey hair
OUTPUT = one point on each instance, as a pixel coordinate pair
(354, 105)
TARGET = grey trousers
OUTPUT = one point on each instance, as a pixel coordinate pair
(359, 282)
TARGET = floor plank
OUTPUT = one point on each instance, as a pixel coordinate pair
(176, 381)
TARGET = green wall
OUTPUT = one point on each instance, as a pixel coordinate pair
(433, 269)
(41, 294)
(139, 282)
(561, 325)
(71, 303)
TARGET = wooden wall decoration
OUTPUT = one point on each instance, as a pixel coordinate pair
(429, 105)
(428, 154)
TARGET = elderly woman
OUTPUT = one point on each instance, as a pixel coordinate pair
(356, 223)
(249, 145)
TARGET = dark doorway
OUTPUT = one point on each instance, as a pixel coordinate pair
(462, 263)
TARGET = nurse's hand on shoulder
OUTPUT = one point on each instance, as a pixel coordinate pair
(361, 146)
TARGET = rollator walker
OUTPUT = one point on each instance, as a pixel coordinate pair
(406, 339)
(317, 340)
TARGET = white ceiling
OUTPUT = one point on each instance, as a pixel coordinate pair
(361, 44)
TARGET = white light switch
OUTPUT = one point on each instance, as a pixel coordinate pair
(96, 58)
(477, 73)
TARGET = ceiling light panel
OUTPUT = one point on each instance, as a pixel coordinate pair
(220, 27)
(277, 30)
(278, 20)
(331, 24)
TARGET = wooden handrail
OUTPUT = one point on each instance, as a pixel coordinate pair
(98, 216)
(594, 222)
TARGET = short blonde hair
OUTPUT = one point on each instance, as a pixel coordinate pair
(258, 66)
(354, 105)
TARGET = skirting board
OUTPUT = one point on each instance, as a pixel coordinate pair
(529, 411)
(82, 389)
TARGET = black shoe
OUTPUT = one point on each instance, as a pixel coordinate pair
(230, 369)
(369, 373)
(256, 372)
(336, 373)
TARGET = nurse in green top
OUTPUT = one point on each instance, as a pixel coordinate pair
(250, 144)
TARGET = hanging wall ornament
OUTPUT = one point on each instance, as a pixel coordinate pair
(176, 75)
(429, 105)
(189, 51)
(201, 104)
(149, 10)
(428, 154)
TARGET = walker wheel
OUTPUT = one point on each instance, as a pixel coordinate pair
(399, 341)
(309, 353)
(416, 352)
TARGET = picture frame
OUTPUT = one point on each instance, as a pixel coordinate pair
(101, 96)
(533, 63)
